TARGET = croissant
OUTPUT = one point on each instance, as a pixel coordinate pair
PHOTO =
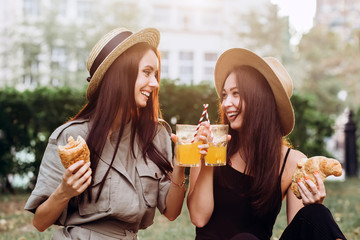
(74, 151)
(307, 166)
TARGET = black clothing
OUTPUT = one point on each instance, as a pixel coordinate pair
(313, 221)
(233, 212)
(234, 218)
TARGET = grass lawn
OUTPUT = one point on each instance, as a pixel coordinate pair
(343, 200)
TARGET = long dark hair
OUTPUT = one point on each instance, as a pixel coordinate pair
(259, 138)
(114, 96)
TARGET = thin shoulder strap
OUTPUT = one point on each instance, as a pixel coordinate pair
(283, 166)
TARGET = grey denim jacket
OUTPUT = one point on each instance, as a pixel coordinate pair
(127, 202)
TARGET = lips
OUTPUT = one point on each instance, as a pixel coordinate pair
(145, 93)
(232, 115)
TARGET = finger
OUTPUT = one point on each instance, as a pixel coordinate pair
(312, 186)
(203, 138)
(304, 197)
(205, 124)
(229, 137)
(304, 189)
(173, 138)
(74, 167)
(81, 181)
(321, 187)
(82, 171)
(84, 186)
(203, 149)
(320, 182)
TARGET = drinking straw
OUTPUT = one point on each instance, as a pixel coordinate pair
(204, 113)
(208, 120)
(200, 120)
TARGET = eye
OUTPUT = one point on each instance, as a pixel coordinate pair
(147, 72)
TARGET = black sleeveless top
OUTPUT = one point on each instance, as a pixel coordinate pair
(233, 212)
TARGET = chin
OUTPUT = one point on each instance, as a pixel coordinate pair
(141, 104)
(235, 125)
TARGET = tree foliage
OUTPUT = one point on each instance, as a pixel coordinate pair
(311, 126)
(28, 118)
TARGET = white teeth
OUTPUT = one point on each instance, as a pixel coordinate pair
(232, 114)
(146, 94)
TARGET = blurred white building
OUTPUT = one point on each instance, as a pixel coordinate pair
(340, 16)
(193, 34)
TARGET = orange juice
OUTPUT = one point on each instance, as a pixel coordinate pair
(216, 155)
(187, 154)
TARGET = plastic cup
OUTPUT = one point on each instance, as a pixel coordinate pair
(216, 155)
(187, 151)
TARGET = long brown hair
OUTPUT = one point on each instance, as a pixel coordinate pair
(259, 138)
(115, 95)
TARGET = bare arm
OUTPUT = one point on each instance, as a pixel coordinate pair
(176, 194)
(200, 200)
(75, 180)
(293, 205)
(315, 195)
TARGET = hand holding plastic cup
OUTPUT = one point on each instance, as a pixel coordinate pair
(186, 149)
(216, 155)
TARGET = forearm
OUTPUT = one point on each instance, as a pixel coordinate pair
(50, 210)
(200, 200)
(176, 194)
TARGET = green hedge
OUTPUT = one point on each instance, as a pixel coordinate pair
(28, 118)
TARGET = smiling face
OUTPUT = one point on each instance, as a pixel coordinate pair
(147, 78)
(231, 104)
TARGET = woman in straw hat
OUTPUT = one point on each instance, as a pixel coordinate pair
(131, 173)
(242, 199)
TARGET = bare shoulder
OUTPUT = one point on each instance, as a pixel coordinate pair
(293, 158)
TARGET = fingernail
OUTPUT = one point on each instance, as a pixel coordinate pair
(306, 178)
(299, 180)
(315, 172)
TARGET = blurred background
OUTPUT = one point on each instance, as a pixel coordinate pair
(44, 46)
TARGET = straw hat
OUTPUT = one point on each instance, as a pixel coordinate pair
(110, 46)
(273, 71)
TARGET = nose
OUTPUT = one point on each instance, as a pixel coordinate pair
(227, 101)
(154, 82)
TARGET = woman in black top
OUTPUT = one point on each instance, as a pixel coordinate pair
(242, 199)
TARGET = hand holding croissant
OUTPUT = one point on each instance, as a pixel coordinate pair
(307, 166)
(74, 151)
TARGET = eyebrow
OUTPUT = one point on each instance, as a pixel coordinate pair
(149, 66)
(231, 89)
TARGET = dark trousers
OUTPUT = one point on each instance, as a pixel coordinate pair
(313, 221)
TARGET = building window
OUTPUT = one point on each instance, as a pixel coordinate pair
(211, 19)
(58, 57)
(31, 74)
(31, 7)
(186, 19)
(63, 8)
(186, 69)
(31, 64)
(210, 57)
(84, 9)
(162, 15)
(164, 64)
(209, 65)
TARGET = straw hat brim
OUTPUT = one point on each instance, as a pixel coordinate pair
(147, 35)
(271, 69)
